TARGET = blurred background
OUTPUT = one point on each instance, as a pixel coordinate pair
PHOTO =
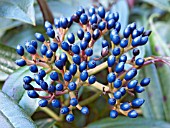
(18, 26)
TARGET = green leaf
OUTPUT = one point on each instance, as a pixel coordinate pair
(11, 115)
(125, 122)
(22, 10)
(45, 123)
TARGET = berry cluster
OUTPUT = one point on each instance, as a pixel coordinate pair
(69, 70)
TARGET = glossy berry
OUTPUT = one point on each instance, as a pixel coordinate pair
(137, 102)
(139, 89)
(37, 78)
(122, 90)
(136, 41)
(92, 79)
(59, 64)
(139, 61)
(101, 11)
(51, 89)
(63, 22)
(112, 101)
(28, 87)
(59, 87)
(55, 103)
(20, 62)
(117, 83)
(117, 95)
(39, 37)
(125, 106)
(140, 30)
(102, 26)
(47, 25)
(73, 69)
(41, 73)
(54, 76)
(145, 81)
(76, 59)
(111, 60)
(57, 22)
(43, 85)
(123, 58)
(43, 49)
(34, 44)
(144, 40)
(132, 114)
(91, 11)
(80, 34)
(83, 45)
(136, 51)
(83, 19)
(87, 36)
(135, 33)
(49, 54)
(147, 33)
(92, 64)
(43, 103)
(65, 46)
(71, 38)
(124, 43)
(105, 44)
(72, 86)
(27, 79)
(64, 110)
(132, 84)
(33, 68)
(96, 34)
(132, 26)
(110, 24)
(84, 75)
(117, 26)
(130, 74)
(70, 22)
(30, 49)
(111, 77)
(84, 110)
(93, 19)
(82, 66)
(32, 94)
(75, 49)
(70, 118)
(53, 46)
(119, 67)
(116, 51)
(20, 50)
(94, 26)
(113, 113)
(67, 76)
(50, 32)
(63, 57)
(89, 52)
(115, 39)
(73, 102)
(127, 32)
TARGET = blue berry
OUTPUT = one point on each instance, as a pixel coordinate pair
(116, 51)
(116, 16)
(73, 69)
(70, 118)
(102, 26)
(94, 26)
(72, 86)
(67, 76)
(28, 87)
(137, 102)
(105, 44)
(63, 57)
(84, 75)
(33, 68)
(47, 25)
(55, 103)
(91, 11)
(92, 79)
(75, 49)
(122, 90)
(51, 88)
(73, 102)
(101, 11)
(34, 44)
(84, 110)
(59, 64)
(32, 94)
(49, 54)
(92, 64)
(37, 79)
(82, 66)
(30, 49)
(111, 77)
(140, 30)
(20, 62)
(130, 74)
(83, 19)
(123, 58)
(132, 26)
(112, 101)
(57, 23)
(117, 26)
(70, 22)
(139, 89)
(93, 19)
(54, 76)
(132, 114)
(80, 34)
(89, 51)
(139, 61)
(124, 43)
(110, 24)
(115, 39)
(81, 9)
(120, 67)
(117, 95)
(20, 50)
(64, 110)
(71, 38)
(117, 83)
(136, 41)
(111, 60)
(50, 32)
(59, 87)
(83, 45)
(43, 49)
(144, 40)
(96, 34)
(135, 33)
(136, 51)
(87, 36)
(127, 32)
(125, 106)
(113, 113)
(132, 84)
(39, 37)
(27, 79)
(146, 33)
(145, 81)
(76, 59)
(41, 73)
(43, 103)
(43, 85)
(75, 18)
(65, 46)
(63, 22)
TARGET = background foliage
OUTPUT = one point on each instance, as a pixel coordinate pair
(20, 19)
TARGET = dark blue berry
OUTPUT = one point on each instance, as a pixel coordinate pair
(102, 26)
(132, 114)
(82, 66)
(117, 83)
(73, 102)
(84, 75)
(59, 87)
(146, 33)
(39, 37)
(51, 88)
(130, 74)
(75, 49)
(28, 87)
(70, 22)
(41, 73)
(67, 76)
(89, 52)
(76, 59)
(70, 118)
(111, 24)
(57, 23)
(113, 113)
(139, 89)
(65, 46)
(33, 68)
(111, 60)
(127, 32)
(137, 102)
(20, 50)
(92, 79)
(117, 26)
(43, 103)
(120, 67)
(96, 34)
(116, 16)
(112, 101)
(63, 22)
(145, 81)
(136, 41)
(92, 64)
(73, 69)
(101, 11)
(140, 30)
(132, 84)
(93, 19)
(32, 94)
(20, 62)
(83, 19)
(55, 103)
(72, 86)
(43, 85)
(144, 40)
(123, 58)
(105, 43)
(124, 43)
(122, 90)
(83, 45)
(84, 110)
(139, 61)
(117, 95)
(135, 33)
(48, 25)
(49, 54)
(27, 79)
(43, 49)
(37, 79)
(63, 57)
(132, 26)
(87, 36)
(54, 76)
(30, 49)
(64, 110)
(59, 64)
(115, 39)
(34, 43)
(91, 11)
(125, 106)
(80, 34)
(111, 77)
(50, 32)
(53, 46)
(116, 51)
(71, 38)
(136, 51)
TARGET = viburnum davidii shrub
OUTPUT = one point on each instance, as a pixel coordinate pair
(75, 67)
